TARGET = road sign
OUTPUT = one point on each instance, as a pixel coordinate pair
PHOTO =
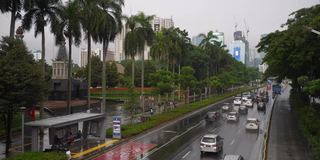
(116, 127)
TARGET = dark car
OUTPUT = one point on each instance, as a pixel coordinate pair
(261, 106)
(243, 109)
(212, 116)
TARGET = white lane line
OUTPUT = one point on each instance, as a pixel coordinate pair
(239, 131)
(232, 142)
(168, 131)
(186, 155)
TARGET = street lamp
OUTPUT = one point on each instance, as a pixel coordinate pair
(22, 128)
(313, 31)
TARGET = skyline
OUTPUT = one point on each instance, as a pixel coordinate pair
(196, 17)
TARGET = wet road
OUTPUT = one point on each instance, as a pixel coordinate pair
(286, 142)
(180, 139)
(236, 139)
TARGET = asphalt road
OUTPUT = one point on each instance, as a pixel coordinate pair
(285, 142)
(236, 139)
(180, 139)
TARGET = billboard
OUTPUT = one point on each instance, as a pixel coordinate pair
(237, 53)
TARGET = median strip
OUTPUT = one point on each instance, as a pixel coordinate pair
(90, 150)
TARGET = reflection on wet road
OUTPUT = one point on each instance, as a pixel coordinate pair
(180, 139)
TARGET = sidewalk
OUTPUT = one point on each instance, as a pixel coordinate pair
(285, 142)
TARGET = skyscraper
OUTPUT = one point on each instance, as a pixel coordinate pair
(157, 24)
(239, 48)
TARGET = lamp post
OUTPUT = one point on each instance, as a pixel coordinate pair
(22, 128)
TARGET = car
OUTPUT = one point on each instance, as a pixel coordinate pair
(233, 157)
(252, 124)
(237, 101)
(225, 107)
(243, 109)
(248, 103)
(261, 106)
(212, 116)
(233, 116)
(211, 143)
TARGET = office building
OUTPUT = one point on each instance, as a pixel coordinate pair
(157, 24)
(36, 55)
(196, 40)
(239, 48)
(97, 52)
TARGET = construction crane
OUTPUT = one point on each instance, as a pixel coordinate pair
(247, 28)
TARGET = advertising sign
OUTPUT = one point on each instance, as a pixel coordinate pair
(116, 127)
(236, 53)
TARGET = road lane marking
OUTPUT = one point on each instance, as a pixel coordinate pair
(186, 155)
(232, 142)
(168, 131)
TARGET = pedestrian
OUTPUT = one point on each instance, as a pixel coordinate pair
(68, 153)
(151, 111)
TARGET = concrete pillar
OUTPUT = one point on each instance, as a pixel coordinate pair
(102, 129)
(35, 139)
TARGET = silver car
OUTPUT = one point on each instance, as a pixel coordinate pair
(211, 143)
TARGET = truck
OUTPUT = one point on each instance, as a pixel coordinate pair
(276, 89)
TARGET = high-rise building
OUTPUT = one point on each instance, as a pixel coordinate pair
(239, 48)
(196, 40)
(36, 55)
(157, 24)
(96, 52)
(220, 37)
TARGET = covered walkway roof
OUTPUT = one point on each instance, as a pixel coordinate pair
(65, 120)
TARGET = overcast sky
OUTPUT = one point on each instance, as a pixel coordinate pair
(196, 16)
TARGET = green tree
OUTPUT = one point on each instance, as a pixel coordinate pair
(14, 7)
(140, 34)
(89, 12)
(21, 84)
(69, 28)
(112, 74)
(164, 81)
(109, 26)
(96, 65)
(41, 13)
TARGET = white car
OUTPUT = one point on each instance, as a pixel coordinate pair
(237, 101)
(232, 116)
(252, 124)
(248, 103)
(211, 143)
(225, 107)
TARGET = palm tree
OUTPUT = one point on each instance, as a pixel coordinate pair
(69, 28)
(208, 45)
(89, 19)
(140, 35)
(109, 26)
(41, 13)
(13, 6)
(159, 49)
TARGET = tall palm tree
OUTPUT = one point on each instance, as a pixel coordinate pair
(159, 49)
(109, 26)
(41, 13)
(89, 20)
(14, 7)
(208, 44)
(139, 36)
(69, 28)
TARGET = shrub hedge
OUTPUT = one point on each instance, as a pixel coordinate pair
(129, 130)
(39, 156)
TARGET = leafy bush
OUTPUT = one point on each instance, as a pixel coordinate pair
(39, 156)
(309, 121)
